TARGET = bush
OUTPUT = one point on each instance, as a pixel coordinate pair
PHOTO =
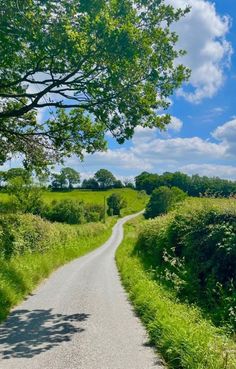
(115, 203)
(93, 212)
(194, 252)
(162, 200)
(25, 197)
(26, 232)
(179, 331)
(66, 211)
(31, 248)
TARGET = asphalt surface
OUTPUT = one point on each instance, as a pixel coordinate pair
(79, 318)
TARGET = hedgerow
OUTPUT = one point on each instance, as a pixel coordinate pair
(193, 251)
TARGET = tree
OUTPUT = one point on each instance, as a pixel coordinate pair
(97, 66)
(104, 178)
(2, 177)
(115, 203)
(59, 180)
(118, 184)
(162, 200)
(71, 175)
(90, 184)
(17, 172)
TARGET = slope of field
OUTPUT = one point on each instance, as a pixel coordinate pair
(136, 200)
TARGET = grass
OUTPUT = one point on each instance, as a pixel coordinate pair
(21, 274)
(136, 201)
(179, 331)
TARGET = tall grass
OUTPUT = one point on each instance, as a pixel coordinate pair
(23, 269)
(179, 331)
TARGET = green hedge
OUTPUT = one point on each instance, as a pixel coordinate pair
(31, 248)
(179, 332)
(193, 251)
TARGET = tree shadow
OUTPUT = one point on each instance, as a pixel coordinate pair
(29, 333)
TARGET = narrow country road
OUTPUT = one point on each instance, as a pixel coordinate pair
(79, 318)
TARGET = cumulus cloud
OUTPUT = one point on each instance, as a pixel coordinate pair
(202, 33)
(227, 134)
(150, 151)
(175, 125)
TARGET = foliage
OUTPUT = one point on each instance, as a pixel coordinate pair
(162, 200)
(59, 181)
(193, 251)
(73, 212)
(25, 196)
(93, 212)
(104, 178)
(118, 184)
(71, 175)
(90, 184)
(115, 203)
(194, 185)
(66, 211)
(113, 64)
(179, 332)
(17, 172)
(136, 200)
(34, 248)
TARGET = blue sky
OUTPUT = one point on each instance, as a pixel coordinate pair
(202, 136)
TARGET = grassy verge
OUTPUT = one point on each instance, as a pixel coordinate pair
(22, 273)
(179, 332)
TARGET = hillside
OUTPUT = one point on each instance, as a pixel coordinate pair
(136, 200)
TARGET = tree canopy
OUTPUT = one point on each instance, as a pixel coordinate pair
(104, 178)
(194, 185)
(71, 175)
(96, 65)
(162, 200)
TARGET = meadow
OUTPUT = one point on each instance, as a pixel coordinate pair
(136, 200)
(179, 271)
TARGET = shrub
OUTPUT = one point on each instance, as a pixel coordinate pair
(178, 330)
(193, 250)
(26, 232)
(25, 196)
(115, 203)
(93, 212)
(162, 200)
(66, 211)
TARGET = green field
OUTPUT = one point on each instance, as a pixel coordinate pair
(136, 201)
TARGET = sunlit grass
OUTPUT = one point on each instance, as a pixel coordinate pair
(179, 331)
(22, 273)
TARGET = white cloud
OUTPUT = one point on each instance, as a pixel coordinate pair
(203, 35)
(227, 134)
(175, 125)
(150, 151)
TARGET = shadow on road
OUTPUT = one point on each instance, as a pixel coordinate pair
(28, 333)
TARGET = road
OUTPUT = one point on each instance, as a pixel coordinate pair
(79, 318)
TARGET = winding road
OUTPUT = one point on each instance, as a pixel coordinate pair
(79, 318)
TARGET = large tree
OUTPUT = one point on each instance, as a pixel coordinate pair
(97, 65)
(104, 178)
(71, 175)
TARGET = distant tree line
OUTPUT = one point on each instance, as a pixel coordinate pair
(67, 179)
(194, 185)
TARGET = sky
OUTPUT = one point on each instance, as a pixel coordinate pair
(202, 135)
